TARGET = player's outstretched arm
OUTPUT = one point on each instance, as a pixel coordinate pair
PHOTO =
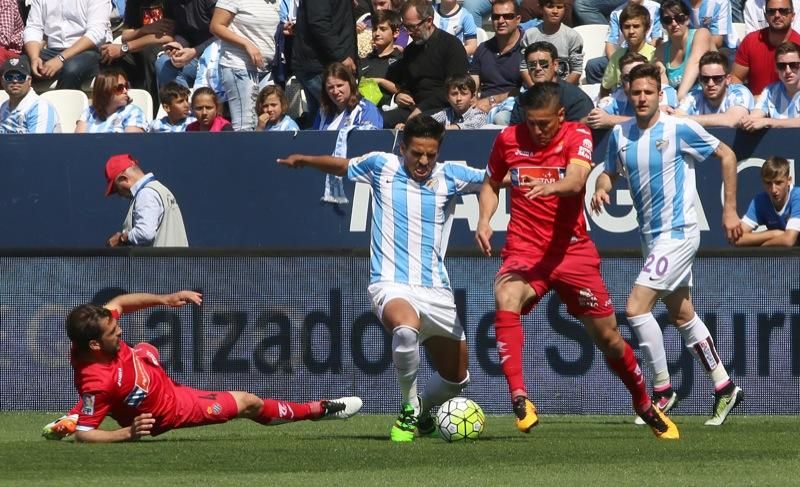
(730, 219)
(329, 164)
(488, 200)
(128, 303)
(142, 426)
(602, 187)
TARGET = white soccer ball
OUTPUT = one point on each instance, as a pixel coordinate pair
(460, 419)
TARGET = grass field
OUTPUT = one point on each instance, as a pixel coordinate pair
(562, 450)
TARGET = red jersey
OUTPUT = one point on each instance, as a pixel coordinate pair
(755, 52)
(130, 384)
(544, 222)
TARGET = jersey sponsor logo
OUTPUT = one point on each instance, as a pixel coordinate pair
(87, 408)
(523, 153)
(587, 299)
(530, 175)
(585, 153)
(119, 376)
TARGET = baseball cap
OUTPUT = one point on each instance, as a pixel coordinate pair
(16, 64)
(114, 167)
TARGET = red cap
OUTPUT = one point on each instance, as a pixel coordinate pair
(114, 167)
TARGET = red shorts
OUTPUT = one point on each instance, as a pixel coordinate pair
(575, 276)
(194, 407)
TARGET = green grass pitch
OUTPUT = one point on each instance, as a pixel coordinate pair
(562, 450)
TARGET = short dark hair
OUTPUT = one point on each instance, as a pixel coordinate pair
(791, 5)
(173, 91)
(774, 167)
(634, 11)
(668, 5)
(83, 324)
(205, 90)
(630, 58)
(542, 46)
(423, 126)
(504, 2)
(461, 82)
(543, 3)
(424, 8)
(646, 71)
(390, 17)
(714, 57)
(787, 47)
(541, 95)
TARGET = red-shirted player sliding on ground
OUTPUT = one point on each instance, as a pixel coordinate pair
(547, 246)
(129, 385)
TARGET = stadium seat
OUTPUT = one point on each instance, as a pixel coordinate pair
(740, 29)
(42, 86)
(482, 36)
(594, 43)
(296, 96)
(3, 96)
(161, 112)
(143, 100)
(592, 90)
(69, 104)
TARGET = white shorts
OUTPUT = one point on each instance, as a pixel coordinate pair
(435, 307)
(668, 265)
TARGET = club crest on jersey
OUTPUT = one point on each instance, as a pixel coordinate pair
(432, 184)
(87, 407)
(214, 409)
(706, 21)
(662, 144)
(523, 153)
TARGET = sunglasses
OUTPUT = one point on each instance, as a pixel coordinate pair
(539, 62)
(716, 78)
(410, 27)
(793, 65)
(667, 20)
(122, 88)
(509, 16)
(783, 11)
(14, 77)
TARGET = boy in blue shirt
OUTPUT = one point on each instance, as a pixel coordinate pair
(777, 208)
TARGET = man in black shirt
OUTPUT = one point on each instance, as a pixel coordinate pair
(427, 62)
(179, 61)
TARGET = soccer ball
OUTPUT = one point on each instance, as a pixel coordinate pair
(460, 419)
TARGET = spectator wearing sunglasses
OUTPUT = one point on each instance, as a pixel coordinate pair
(754, 64)
(568, 43)
(718, 102)
(24, 112)
(112, 110)
(779, 103)
(680, 55)
(756, 19)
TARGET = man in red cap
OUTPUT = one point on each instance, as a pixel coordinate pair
(154, 217)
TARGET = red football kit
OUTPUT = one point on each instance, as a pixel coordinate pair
(546, 241)
(133, 383)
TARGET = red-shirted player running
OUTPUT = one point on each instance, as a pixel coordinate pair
(547, 246)
(129, 385)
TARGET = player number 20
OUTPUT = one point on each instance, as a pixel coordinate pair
(661, 265)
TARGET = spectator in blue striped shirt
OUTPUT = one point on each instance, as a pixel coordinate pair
(24, 112)
(453, 19)
(112, 110)
(779, 103)
(272, 106)
(175, 101)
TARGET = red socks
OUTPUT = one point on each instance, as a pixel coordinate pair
(278, 412)
(508, 331)
(628, 370)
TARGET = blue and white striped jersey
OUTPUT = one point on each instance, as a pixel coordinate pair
(128, 116)
(659, 165)
(737, 95)
(617, 102)
(33, 115)
(762, 212)
(775, 102)
(164, 125)
(410, 220)
(654, 32)
(714, 15)
(460, 24)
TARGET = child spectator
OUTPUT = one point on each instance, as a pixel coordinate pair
(635, 22)
(112, 110)
(385, 29)
(366, 24)
(272, 106)
(462, 114)
(777, 208)
(342, 105)
(569, 43)
(453, 19)
(175, 101)
(779, 103)
(205, 106)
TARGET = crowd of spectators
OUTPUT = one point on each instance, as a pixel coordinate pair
(222, 65)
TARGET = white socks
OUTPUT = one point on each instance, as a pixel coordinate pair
(439, 390)
(651, 341)
(699, 342)
(405, 354)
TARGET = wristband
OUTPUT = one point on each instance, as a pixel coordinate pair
(61, 58)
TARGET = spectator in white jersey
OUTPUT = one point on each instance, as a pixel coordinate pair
(567, 42)
(656, 153)
(112, 110)
(617, 107)
(777, 209)
(175, 101)
(779, 103)
(154, 218)
(462, 113)
(24, 112)
(452, 18)
(717, 102)
(409, 287)
(714, 15)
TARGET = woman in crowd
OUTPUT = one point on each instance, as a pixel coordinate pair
(342, 105)
(112, 110)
